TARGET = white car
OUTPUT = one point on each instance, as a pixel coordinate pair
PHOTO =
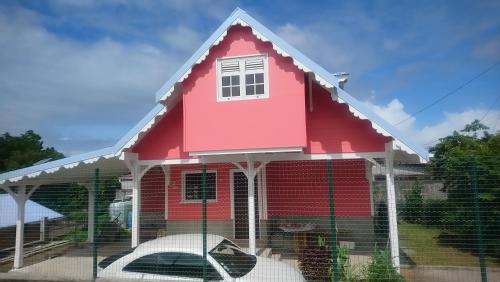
(180, 258)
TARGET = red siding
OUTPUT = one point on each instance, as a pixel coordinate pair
(165, 140)
(219, 210)
(332, 128)
(301, 188)
(153, 191)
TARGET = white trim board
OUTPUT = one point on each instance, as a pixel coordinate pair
(276, 157)
(247, 151)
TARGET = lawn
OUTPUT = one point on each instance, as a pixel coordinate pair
(421, 245)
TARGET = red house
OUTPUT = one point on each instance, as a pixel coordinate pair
(264, 120)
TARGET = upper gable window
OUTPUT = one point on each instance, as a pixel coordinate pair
(242, 78)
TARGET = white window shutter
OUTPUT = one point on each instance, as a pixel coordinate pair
(254, 64)
(230, 66)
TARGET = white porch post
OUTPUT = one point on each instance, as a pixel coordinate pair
(91, 212)
(21, 204)
(137, 171)
(251, 205)
(136, 205)
(250, 172)
(20, 198)
(391, 205)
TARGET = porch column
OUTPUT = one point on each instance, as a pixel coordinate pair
(391, 205)
(136, 205)
(251, 205)
(19, 246)
(250, 172)
(137, 171)
(91, 212)
(20, 198)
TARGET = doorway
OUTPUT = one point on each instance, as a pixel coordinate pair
(240, 186)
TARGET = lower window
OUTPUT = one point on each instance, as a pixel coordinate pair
(192, 186)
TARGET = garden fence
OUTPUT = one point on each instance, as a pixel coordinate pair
(321, 220)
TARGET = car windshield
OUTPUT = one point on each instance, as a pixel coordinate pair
(109, 260)
(233, 259)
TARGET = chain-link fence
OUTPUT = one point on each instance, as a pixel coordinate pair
(321, 220)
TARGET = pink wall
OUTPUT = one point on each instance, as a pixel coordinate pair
(332, 128)
(165, 140)
(153, 191)
(278, 121)
(219, 210)
(301, 188)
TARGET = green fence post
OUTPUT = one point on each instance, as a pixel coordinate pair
(333, 224)
(204, 219)
(477, 219)
(94, 239)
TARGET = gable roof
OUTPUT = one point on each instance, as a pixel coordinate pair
(322, 76)
(169, 89)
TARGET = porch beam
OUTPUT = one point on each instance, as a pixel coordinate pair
(391, 205)
(265, 157)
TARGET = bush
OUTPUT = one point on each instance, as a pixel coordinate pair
(315, 259)
(381, 269)
(434, 212)
(413, 204)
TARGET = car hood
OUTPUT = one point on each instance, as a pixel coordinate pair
(267, 269)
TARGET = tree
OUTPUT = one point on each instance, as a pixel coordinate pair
(413, 204)
(451, 164)
(22, 151)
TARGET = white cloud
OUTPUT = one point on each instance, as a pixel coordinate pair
(333, 46)
(488, 50)
(182, 38)
(394, 112)
(48, 82)
(391, 45)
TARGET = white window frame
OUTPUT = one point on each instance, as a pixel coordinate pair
(183, 180)
(242, 73)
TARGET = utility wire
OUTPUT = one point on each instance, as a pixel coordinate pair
(450, 93)
(491, 107)
(484, 116)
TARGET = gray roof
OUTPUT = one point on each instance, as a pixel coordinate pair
(33, 211)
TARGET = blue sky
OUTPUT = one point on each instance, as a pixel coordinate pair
(82, 73)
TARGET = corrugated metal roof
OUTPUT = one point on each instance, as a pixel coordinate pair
(33, 211)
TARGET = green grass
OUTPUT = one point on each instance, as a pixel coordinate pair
(421, 245)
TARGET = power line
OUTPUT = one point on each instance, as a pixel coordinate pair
(480, 120)
(491, 107)
(450, 93)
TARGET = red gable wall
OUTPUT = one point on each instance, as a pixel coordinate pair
(200, 123)
(332, 128)
(277, 121)
(165, 140)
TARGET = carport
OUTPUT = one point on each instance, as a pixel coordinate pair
(21, 184)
